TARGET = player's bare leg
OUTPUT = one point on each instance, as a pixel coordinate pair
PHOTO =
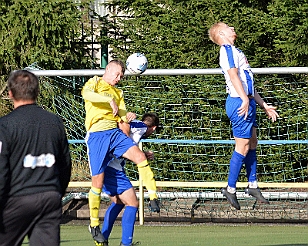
(128, 199)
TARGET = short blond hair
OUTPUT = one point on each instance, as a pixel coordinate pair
(117, 63)
(214, 31)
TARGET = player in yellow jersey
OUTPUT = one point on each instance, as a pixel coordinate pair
(105, 108)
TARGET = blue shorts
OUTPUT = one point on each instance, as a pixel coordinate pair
(115, 182)
(104, 146)
(241, 128)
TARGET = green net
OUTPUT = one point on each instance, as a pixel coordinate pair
(193, 120)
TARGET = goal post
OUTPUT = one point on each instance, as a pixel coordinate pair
(193, 147)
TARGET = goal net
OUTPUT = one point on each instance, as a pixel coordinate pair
(194, 143)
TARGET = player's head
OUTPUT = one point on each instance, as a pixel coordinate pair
(23, 86)
(114, 72)
(152, 121)
(220, 33)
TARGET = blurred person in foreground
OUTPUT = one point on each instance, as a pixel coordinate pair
(241, 110)
(108, 132)
(35, 167)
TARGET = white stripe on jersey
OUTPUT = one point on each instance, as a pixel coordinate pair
(137, 130)
(232, 57)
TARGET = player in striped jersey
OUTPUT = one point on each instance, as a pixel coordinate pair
(119, 188)
(241, 110)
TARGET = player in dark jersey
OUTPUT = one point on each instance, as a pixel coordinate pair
(35, 167)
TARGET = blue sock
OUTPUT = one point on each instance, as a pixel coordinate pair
(251, 165)
(110, 217)
(128, 223)
(236, 164)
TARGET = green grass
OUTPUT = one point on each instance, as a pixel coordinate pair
(205, 234)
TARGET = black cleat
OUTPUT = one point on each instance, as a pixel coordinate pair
(154, 205)
(98, 237)
(231, 198)
(255, 192)
(132, 244)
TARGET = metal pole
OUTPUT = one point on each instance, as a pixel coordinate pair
(141, 197)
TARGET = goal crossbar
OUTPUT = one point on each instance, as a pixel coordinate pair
(167, 72)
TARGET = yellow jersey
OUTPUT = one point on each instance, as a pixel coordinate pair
(97, 95)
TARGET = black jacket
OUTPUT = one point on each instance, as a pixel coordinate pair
(34, 152)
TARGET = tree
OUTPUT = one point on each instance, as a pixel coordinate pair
(46, 32)
(290, 25)
(173, 33)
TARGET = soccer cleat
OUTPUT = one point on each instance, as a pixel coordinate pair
(231, 198)
(98, 237)
(154, 205)
(132, 244)
(255, 192)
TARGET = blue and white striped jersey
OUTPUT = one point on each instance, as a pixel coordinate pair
(232, 57)
(137, 130)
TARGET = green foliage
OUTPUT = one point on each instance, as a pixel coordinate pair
(192, 108)
(46, 32)
(290, 25)
(173, 34)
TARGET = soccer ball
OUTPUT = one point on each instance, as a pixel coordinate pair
(136, 63)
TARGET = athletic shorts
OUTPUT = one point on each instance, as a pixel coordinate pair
(104, 146)
(115, 182)
(241, 128)
(37, 216)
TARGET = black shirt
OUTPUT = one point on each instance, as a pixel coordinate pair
(34, 152)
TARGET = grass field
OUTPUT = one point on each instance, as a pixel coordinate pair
(202, 234)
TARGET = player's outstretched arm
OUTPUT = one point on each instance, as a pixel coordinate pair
(268, 109)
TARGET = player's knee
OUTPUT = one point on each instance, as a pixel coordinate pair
(135, 155)
(97, 180)
(134, 204)
(141, 157)
(138, 156)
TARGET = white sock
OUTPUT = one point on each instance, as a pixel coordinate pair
(253, 184)
(231, 189)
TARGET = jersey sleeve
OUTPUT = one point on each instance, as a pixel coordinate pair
(228, 58)
(4, 163)
(89, 92)
(122, 109)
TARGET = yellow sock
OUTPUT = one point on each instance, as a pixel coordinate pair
(147, 177)
(94, 205)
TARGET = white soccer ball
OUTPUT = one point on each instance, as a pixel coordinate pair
(136, 63)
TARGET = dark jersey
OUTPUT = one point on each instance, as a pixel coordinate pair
(34, 152)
